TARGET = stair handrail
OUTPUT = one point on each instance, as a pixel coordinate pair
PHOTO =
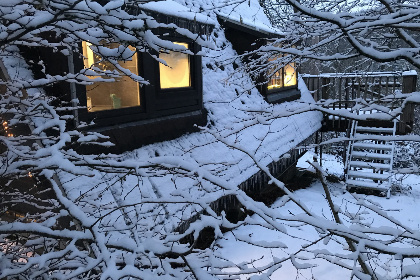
(350, 148)
(392, 150)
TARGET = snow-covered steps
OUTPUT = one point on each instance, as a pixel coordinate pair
(368, 175)
(371, 156)
(382, 130)
(370, 165)
(369, 162)
(367, 185)
(371, 146)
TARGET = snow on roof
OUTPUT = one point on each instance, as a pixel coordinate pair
(265, 32)
(243, 117)
(172, 8)
(248, 14)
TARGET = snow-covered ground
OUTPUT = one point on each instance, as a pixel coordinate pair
(403, 206)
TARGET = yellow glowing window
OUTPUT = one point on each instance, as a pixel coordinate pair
(290, 78)
(276, 80)
(178, 73)
(285, 77)
(122, 93)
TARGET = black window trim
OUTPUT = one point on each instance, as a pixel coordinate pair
(154, 102)
(182, 92)
(283, 88)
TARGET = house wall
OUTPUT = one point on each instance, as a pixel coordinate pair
(162, 115)
(243, 40)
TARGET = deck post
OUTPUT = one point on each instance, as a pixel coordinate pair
(311, 87)
(409, 82)
(321, 150)
(325, 88)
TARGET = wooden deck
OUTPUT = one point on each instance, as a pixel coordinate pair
(345, 90)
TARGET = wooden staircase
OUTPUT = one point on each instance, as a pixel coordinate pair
(369, 159)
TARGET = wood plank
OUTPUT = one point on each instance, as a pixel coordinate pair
(369, 175)
(371, 165)
(368, 185)
(372, 146)
(375, 129)
(370, 156)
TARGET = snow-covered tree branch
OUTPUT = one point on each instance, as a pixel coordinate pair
(381, 30)
(154, 212)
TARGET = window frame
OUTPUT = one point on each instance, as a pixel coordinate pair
(190, 61)
(280, 94)
(154, 102)
(247, 38)
(283, 88)
(115, 112)
(172, 98)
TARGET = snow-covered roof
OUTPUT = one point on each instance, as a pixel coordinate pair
(233, 103)
(239, 114)
(265, 32)
(172, 8)
(251, 25)
(248, 14)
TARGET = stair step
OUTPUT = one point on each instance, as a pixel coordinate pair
(389, 130)
(368, 175)
(368, 155)
(372, 146)
(368, 137)
(364, 184)
(371, 165)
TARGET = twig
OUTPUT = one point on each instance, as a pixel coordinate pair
(319, 172)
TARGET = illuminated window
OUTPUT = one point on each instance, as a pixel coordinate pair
(282, 78)
(178, 73)
(290, 75)
(276, 80)
(122, 93)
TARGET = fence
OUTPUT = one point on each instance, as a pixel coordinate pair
(345, 88)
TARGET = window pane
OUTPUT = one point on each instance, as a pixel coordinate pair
(177, 73)
(290, 75)
(276, 80)
(122, 93)
(284, 77)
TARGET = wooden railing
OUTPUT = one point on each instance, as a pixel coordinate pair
(345, 88)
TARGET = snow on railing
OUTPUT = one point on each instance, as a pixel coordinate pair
(343, 90)
(358, 74)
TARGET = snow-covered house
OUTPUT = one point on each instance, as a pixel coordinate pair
(128, 214)
(205, 88)
(171, 104)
